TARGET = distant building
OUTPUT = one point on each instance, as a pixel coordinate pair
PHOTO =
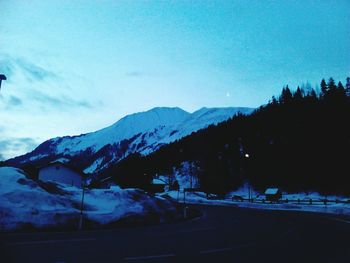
(61, 173)
(273, 194)
(102, 183)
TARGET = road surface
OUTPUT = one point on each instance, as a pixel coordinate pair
(222, 234)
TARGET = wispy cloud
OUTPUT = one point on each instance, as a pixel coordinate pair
(32, 71)
(59, 101)
(48, 101)
(14, 146)
(11, 65)
(14, 101)
(10, 102)
(135, 74)
(6, 66)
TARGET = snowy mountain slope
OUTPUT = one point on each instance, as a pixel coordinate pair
(196, 121)
(141, 132)
(201, 119)
(123, 129)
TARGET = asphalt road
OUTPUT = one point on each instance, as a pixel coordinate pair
(222, 234)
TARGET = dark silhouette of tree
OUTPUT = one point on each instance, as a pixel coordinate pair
(331, 86)
(340, 91)
(324, 88)
(298, 95)
(286, 95)
(274, 100)
(347, 87)
(313, 94)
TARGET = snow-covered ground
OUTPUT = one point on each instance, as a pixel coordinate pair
(317, 205)
(27, 203)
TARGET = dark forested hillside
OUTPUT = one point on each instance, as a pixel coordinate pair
(299, 141)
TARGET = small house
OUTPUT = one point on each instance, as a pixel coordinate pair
(61, 173)
(157, 185)
(273, 194)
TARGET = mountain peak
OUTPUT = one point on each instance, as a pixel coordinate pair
(142, 132)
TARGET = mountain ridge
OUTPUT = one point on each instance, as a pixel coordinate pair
(142, 132)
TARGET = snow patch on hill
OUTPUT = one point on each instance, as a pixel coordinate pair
(159, 126)
(123, 129)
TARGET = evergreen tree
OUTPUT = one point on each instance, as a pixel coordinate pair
(340, 87)
(340, 92)
(347, 87)
(286, 95)
(331, 86)
(274, 100)
(311, 94)
(298, 95)
(324, 88)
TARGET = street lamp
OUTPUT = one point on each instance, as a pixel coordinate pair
(2, 77)
(246, 155)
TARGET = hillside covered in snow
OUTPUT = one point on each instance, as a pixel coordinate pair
(26, 204)
(143, 133)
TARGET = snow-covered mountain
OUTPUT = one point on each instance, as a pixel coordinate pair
(142, 132)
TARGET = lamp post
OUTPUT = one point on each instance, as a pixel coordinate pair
(246, 156)
(2, 77)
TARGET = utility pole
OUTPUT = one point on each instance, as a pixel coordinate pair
(249, 194)
(81, 209)
(191, 176)
(246, 156)
(185, 212)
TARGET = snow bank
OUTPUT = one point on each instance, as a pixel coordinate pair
(26, 203)
(23, 202)
(319, 207)
(110, 205)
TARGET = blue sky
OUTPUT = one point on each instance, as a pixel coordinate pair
(78, 66)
